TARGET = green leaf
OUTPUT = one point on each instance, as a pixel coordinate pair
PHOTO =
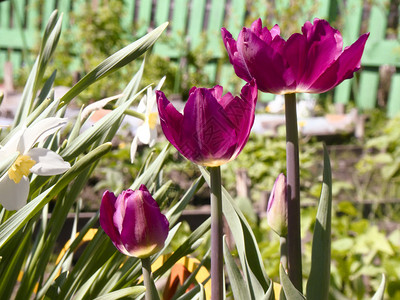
(49, 43)
(114, 62)
(239, 286)
(381, 290)
(130, 291)
(291, 292)
(318, 282)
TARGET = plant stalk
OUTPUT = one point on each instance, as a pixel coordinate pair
(293, 192)
(151, 290)
(217, 272)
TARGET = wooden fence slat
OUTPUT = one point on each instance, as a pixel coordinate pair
(369, 79)
(144, 17)
(128, 20)
(162, 12)
(393, 105)
(214, 24)
(5, 14)
(352, 23)
(196, 19)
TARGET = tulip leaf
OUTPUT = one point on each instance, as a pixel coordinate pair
(22, 216)
(240, 289)
(115, 62)
(379, 294)
(249, 254)
(133, 291)
(318, 282)
(290, 290)
(49, 43)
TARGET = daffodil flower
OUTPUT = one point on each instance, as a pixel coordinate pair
(14, 184)
(147, 131)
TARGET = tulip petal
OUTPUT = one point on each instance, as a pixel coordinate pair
(343, 68)
(324, 45)
(47, 162)
(145, 230)
(235, 57)
(206, 130)
(107, 209)
(263, 62)
(248, 97)
(170, 119)
(39, 131)
(13, 195)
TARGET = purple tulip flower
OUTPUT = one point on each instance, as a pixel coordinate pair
(213, 128)
(133, 222)
(278, 206)
(311, 62)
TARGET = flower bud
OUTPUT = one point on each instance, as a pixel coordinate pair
(133, 222)
(277, 207)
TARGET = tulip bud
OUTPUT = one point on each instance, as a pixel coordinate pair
(277, 207)
(133, 222)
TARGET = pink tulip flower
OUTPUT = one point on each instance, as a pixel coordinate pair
(311, 62)
(133, 222)
(213, 128)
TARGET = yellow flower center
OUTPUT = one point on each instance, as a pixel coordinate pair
(152, 119)
(21, 167)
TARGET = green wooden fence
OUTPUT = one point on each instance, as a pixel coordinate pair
(21, 22)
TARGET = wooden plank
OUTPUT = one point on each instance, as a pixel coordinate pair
(393, 105)
(369, 81)
(173, 47)
(3, 59)
(128, 18)
(352, 19)
(5, 14)
(196, 20)
(64, 6)
(144, 17)
(33, 14)
(11, 38)
(213, 31)
(235, 17)
(162, 12)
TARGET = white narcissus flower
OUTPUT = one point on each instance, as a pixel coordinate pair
(14, 184)
(147, 132)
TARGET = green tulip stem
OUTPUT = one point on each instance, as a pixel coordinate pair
(293, 192)
(151, 290)
(217, 272)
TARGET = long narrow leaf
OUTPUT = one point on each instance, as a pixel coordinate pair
(381, 290)
(290, 290)
(239, 286)
(318, 281)
(130, 291)
(114, 62)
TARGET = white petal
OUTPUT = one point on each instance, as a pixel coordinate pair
(47, 162)
(153, 137)
(133, 149)
(13, 195)
(160, 84)
(143, 133)
(39, 131)
(142, 105)
(12, 145)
